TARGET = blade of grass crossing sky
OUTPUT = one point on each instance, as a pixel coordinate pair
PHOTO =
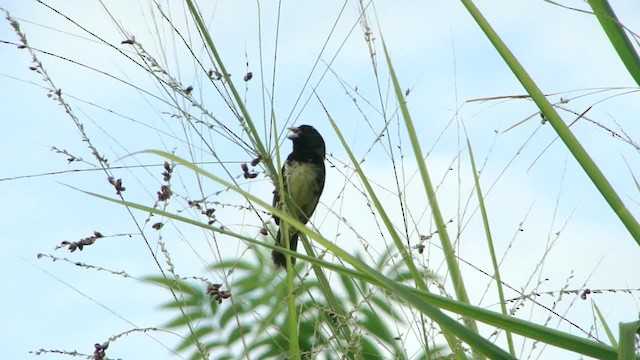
(406, 256)
(452, 263)
(605, 326)
(252, 131)
(525, 328)
(617, 36)
(492, 252)
(572, 143)
(245, 119)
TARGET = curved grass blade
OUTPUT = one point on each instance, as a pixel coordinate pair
(443, 234)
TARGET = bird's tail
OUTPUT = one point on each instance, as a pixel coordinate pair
(278, 258)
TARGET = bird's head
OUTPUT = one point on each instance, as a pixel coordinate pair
(306, 138)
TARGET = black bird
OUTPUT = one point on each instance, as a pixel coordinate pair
(303, 173)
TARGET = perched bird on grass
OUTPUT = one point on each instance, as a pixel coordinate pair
(303, 173)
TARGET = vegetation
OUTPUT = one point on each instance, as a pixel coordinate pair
(381, 273)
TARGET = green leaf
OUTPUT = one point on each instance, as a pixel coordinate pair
(491, 248)
(230, 313)
(260, 342)
(197, 355)
(307, 331)
(308, 285)
(190, 317)
(183, 303)
(443, 233)
(402, 276)
(263, 299)
(278, 345)
(226, 356)
(369, 349)
(236, 333)
(247, 284)
(190, 340)
(375, 326)
(350, 288)
(309, 304)
(518, 326)
(177, 285)
(386, 305)
(382, 262)
(213, 306)
(233, 264)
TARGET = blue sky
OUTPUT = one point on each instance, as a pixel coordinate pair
(439, 54)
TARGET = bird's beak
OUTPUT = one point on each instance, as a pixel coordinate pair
(295, 132)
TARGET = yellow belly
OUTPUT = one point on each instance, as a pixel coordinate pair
(303, 189)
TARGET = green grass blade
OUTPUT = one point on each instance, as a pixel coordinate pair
(574, 146)
(627, 348)
(617, 36)
(492, 252)
(528, 329)
(607, 329)
(327, 290)
(418, 277)
(443, 234)
(292, 318)
(243, 117)
(406, 256)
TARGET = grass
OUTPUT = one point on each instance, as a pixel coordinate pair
(407, 234)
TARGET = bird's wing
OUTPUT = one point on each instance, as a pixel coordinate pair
(276, 196)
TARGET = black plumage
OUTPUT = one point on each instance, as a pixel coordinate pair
(304, 174)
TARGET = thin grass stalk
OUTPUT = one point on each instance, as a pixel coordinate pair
(292, 318)
(283, 227)
(492, 252)
(246, 118)
(329, 295)
(406, 256)
(445, 241)
(254, 136)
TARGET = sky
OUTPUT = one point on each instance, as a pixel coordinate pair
(540, 204)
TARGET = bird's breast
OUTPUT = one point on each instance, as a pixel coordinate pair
(302, 184)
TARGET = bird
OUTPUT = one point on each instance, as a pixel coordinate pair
(303, 174)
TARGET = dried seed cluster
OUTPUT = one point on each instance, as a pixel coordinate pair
(165, 190)
(117, 184)
(78, 245)
(218, 295)
(245, 168)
